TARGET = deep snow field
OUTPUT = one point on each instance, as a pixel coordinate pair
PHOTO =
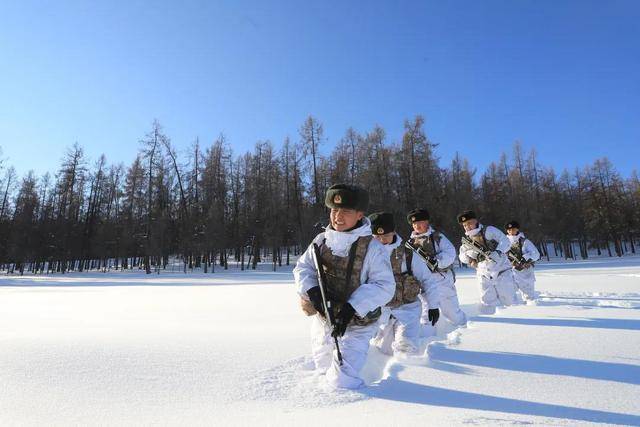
(231, 348)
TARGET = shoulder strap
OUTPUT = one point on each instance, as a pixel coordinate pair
(435, 238)
(483, 231)
(362, 243)
(352, 258)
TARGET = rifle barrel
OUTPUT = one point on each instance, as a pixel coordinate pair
(326, 303)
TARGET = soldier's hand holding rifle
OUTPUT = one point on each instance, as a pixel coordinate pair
(518, 261)
(315, 296)
(430, 260)
(482, 254)
(342, 320)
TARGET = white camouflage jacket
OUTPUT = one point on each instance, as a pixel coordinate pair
(377, 284)
(529, 250)
(445, 251)
(500, 263)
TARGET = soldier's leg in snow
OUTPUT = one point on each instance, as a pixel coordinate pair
(426, 329)
(407, 331)
(354, 345)
(488, 295)
(384, 338)
(525, 281)
(449, 304)
(322, 345)
(505, 288)
(517, 295)
(385, 332)
(450, 310)
(424, 316)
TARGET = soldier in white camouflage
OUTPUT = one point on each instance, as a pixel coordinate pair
(435, 246)
(523, 254)
(484, 248)
(399, 333)
(359, 283)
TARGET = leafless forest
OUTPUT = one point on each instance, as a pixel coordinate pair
(213, 208)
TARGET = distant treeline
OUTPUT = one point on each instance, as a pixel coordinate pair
(209, 205)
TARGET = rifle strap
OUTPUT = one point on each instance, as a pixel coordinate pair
(320, 265)
(408, 257)
(435, 236)
(483, 233)
(320, 262)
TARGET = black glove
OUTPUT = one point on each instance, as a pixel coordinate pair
(315, 296)
(342, 320)
(434, 315)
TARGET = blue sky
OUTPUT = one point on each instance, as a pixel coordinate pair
(561, 76)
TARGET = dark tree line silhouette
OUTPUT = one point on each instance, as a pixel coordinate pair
(210, 206)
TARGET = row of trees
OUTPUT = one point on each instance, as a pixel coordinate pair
(208, 205)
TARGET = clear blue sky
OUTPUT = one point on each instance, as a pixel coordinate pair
(561, 76)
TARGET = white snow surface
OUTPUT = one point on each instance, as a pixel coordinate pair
(231, 348)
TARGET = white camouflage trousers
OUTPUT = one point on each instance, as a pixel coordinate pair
(354, 346)
(400, 329)
(449, 304)
(525, 281)
(499, 290)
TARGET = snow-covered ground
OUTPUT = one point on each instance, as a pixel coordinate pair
(230, 348)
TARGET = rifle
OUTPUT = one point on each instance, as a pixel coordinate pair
(432, 264)
(326, 303)
(518, 261)
(477, 248)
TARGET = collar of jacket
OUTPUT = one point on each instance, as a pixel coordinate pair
(340, 241)
(427, 233)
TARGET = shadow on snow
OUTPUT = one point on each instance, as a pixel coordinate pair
(154, 280)
(404, 391)
(537, 364)
(597, 323)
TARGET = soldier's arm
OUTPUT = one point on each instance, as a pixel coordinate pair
(447, 252)
(379, 284)
(422, 273)
(504, 244)
(466, 256)
(305, 273)
(529, 251)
